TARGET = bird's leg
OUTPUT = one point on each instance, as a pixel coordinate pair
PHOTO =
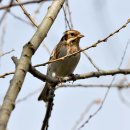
(73, 77)
(60, 79)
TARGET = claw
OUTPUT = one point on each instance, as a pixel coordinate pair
(73, 77)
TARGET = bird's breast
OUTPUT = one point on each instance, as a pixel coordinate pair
(65, 67)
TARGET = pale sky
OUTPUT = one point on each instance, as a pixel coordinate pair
(95, 19)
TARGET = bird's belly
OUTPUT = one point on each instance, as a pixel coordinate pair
(65, 67)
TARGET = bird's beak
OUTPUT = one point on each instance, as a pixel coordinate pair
(80, 36)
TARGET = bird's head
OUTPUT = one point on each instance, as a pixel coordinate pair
(72, 36)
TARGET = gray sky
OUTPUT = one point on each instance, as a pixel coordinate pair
(95, 19)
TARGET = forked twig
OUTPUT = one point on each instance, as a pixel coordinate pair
(26, 13)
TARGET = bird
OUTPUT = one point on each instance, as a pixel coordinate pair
(68, 44)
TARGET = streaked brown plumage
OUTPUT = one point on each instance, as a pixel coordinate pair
(68, 44)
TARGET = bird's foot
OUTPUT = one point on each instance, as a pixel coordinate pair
(73, 77)
(60, 79)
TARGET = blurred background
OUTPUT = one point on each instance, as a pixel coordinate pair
(96, 19)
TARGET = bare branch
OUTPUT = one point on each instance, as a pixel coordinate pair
(28, 96)
(36, 12)
(119, 86)
(5, 13)
(69, 14)
(93, 45)
(47, 49)
(6, 74)
(24, 62)
(122, 98)
(3, 54)
(98, 74)
(3, 17)
(126, 47)
(91, 61)
(28, 15)
(2, 38)
(66, 20)
(107, 92)
(75, 77)
(82, 116)
(19, 18)
(23, 3)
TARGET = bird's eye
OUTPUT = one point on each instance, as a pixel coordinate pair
(72, 34)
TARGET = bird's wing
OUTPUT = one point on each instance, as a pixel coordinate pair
(59, 51)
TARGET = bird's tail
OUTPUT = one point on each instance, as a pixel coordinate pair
(45, 92)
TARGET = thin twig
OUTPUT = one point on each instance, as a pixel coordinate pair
(5, 53)
(100, 107)
(3, 17)
(6, 74)
(91, 46)
(97, 74)
(47, 49)
(122, 58)
(118, 86)
(2, 38)
(5, 13)
(126, 102)
(82, 116)
(28, 15)
(22, 3)
(49, 79)
(19, 18)
(36, 12)
(64, 11)
(66, 18)
(107, 92)
(69, 14)
(91, 61)
(28, 96)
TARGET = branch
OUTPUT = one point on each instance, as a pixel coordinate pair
(6, 74)
(46, 78)
(118, 86)
(28, 96)
(22, 3)
(5, 13)
(69, 13)
(91, 61)
(87, 109)
(19, 18)
(107, 92)
(26, 13)
(123, 99)
(92, 74)
(24, 62)
(93, 45)
(3, 54)
(96, 74)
